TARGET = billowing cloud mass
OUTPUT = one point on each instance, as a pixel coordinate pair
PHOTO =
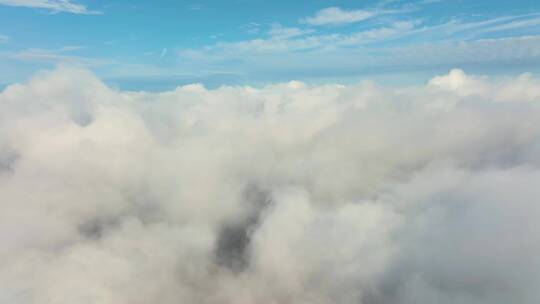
(290, 193)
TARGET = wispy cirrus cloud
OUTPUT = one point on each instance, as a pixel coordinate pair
(520, 23)
(62, 55)
(410, 44)
(251, 28)
(54, 5)
(459, 29)
(279, 31)
(292, 39)
(338, 16)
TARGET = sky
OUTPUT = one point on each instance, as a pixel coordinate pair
(154, 45)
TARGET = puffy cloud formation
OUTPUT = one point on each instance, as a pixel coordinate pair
(286, 194)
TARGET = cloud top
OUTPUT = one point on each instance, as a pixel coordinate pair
(289, 193)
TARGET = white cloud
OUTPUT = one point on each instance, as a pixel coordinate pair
(525, 23)
(337, 16)
(278, 31)
(289, 193)
(333, 51)
(468, 30)
(53, 5)
(402, 45)
(286, 39)
(57, 56)
(251, 28)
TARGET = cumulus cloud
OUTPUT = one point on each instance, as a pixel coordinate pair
(290, 193)
(54, 5)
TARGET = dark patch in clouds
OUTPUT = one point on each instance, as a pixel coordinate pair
(234, 239)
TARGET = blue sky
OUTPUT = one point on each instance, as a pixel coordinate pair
(156, 45)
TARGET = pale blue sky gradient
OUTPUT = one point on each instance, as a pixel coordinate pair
(157, 45)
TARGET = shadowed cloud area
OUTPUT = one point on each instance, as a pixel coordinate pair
(289, 193)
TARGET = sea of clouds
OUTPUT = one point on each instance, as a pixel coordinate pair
(290, 193)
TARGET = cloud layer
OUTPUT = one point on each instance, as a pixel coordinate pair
(289, 193)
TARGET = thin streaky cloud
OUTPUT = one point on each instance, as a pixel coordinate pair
(459, 29)
(515, 25)
(296, 39)
(54, 5)
(413, 43)
(58, 56)
(278, 31)
(338, 16)
(251, 28)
